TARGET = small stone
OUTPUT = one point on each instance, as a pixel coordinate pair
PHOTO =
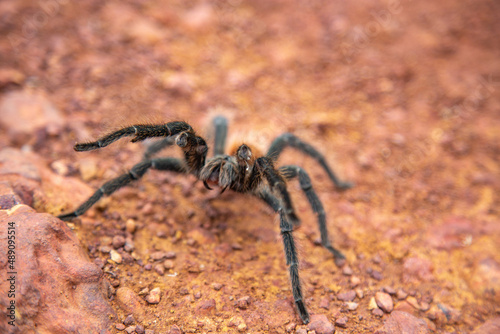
(351, 306)
(377, 275)
(243, 302)
(207, 306)
(160, 269)
(130, 302)
(151, 331)
(120, 327)
(384, 301)
(148, 266)
(401, 294)
(341, 322)
(154, 296)
(389, 290)
(320, 324)
(413, 302)
(157, 256)
(105, 249)
(424, 306)
(118, 241)
(325, 303)
(242, 327)
(372, 304)
(347, 271)
(168, 264)
(130, 329)
(347, 296)
(144, 291)
(139, 329)
(130, 226)
(129, 320)
(115, 256)
(355, 280)
(170, 255)
(360, 293)
(378, 312)
(217, 286)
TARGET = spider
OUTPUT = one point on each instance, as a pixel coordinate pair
(242, 172)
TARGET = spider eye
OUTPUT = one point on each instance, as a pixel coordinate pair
(244, 152)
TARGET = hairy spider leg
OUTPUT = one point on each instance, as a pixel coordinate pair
(288, 139)
(157, 146)
(264, 166)
(290, 172)
(220, 126)
(140, 132)
(135, 173)
(292, 262)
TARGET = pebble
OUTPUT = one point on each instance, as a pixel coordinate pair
(325, 303)
(402, 322)
(355, 280)
(154, 296)
(389, 290)
(378, 312)
(351, 306)
(384, 301)
(157, 256)
(139, 329)
(401, 294)
(115, 256)
(217, 286)
(347, 271)
(120, 327)
(129, 320)
(347, 296)
(118, 241)
(320, 324)
(360, 293)
(130, 329)
(341, 322)
(243, 302)
(377, 275)
(413, 302)
(160, 269)
(168, 264)
(130, 226)
(372, 304)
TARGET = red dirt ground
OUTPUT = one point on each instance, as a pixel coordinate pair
(402, 97)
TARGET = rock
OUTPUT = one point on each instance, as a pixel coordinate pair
(243, 302)
(416, 269)
(491, 326)
(486, 277)
(154, 296)
(341, 322)
(22, 113)
(347, 296)
(320, 324)
(129, 320)
(53, 271)
(206, 306)
(372, 304)
(402, 322)
(118, 241)
(378, 312)
(351, 306)
(325, 303)
(115, 256)
(130, 225)
(384, 301)
(130, 302)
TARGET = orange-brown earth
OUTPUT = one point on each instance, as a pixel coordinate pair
(402, 97)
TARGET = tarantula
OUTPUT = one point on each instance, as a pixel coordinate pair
(241, 172)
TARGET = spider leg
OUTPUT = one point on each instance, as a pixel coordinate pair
(292, 262)
(264, 167)
(288, 139)
(291, 172)
(135, 173)
(157, 146)
(140, 132)
(220, 125)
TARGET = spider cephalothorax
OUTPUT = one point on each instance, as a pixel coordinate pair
(241, 172)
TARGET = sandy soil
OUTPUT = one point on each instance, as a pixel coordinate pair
(402, 97)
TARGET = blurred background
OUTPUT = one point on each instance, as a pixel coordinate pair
(402, 97)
